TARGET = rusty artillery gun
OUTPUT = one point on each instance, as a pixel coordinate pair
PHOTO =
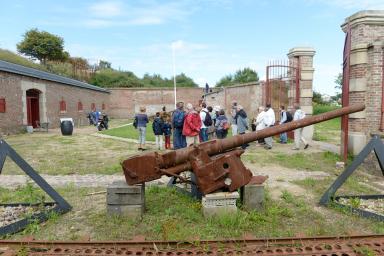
(216, 163)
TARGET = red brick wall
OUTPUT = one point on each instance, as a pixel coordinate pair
(72, 95)
(11, 121)
(124, 102)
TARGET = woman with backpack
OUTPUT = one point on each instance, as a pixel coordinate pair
(222, 125)
(141, 120)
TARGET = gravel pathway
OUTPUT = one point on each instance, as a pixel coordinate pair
(89, 180)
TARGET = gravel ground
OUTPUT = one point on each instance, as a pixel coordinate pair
(11, 214)
(370, 205)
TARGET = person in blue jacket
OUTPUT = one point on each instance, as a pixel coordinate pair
(157, 127)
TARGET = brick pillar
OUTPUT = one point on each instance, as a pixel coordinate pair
(365, 80)
(304, 56)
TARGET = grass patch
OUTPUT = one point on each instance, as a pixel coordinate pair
(328, 131)
(320, 108)
(76, 154)
(129, 132)
(174, 216)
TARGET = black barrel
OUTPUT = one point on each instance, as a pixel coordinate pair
(66, 127)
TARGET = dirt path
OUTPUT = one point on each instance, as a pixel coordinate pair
(280, 178)
(87, 181)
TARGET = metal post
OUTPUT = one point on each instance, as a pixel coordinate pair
(174, 72)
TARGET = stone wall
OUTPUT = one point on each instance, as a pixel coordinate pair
(13, 88)
(248, 95)
(366, 75)
(125, 102)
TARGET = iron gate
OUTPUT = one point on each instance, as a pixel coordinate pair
(282, 87)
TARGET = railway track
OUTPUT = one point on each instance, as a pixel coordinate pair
(330, 246)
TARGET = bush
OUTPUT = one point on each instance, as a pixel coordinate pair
(322, 108)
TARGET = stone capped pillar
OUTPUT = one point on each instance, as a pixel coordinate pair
(303, 56)
(366, 75)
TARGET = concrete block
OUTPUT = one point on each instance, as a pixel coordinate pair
(219, 203)
(356, 142)
(124, 198)
(253, 197)
(120, 193)
(130, 211)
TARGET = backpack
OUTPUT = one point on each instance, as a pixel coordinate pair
(208, 119)
(178, 119)
(225, 125)
(135, 122)
(289, 117)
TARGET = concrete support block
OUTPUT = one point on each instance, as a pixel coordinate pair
(253, 197)
(356, 142)
(358, 84)
(219, 203)
(125, 200)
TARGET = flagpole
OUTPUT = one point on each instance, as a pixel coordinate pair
(174, 72)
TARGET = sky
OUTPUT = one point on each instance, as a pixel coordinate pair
(210, 38)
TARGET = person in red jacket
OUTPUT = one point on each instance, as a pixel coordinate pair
(192, 125)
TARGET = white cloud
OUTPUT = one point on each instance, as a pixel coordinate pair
(106, 9)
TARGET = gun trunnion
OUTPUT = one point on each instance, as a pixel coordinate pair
(216, 163)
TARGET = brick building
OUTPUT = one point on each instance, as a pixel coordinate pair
(29, 97)
(366, 75)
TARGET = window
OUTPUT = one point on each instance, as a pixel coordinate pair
(79, 106)
(103, 106)
(93, 106)
(63, 106)
(2, 105)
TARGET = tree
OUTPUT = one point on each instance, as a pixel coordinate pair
(241, 76)
(184, 81)
(42, 45)
(114, 78)
(103, 64)
(245, 75)
(338, 87)
(225, 81)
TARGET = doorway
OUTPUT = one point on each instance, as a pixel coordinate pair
(33, 107)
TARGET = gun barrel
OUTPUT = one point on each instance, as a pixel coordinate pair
(219, 146)
(239, 140)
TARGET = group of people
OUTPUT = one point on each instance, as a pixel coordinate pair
(197, 124)
(266, 118)
(191, 125)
